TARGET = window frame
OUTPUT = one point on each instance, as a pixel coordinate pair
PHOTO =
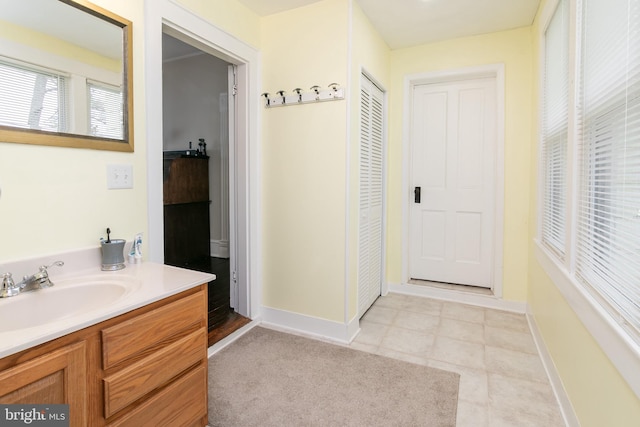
(108, 88)
(562, 133)
(62, 93)
(616, 342)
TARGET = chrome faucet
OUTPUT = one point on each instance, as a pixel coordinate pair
(39, 280)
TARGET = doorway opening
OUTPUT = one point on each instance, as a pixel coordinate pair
(199, 185)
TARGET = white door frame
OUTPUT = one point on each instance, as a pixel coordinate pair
(410, 81)
(229, 179)
(180, 22)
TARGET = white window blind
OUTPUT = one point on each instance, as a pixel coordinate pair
(608, 221)
(554, 128)
(32, 98)
(106, 108)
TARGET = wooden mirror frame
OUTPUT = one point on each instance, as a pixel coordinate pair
(61, 139)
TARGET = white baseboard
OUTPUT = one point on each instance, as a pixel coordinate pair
(223, 343)
(566, 408)
(324, 329)
(219, 248)
(487, 301)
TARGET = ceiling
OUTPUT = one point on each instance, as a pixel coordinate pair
(269, 7)
(404, 23)
(70, 24)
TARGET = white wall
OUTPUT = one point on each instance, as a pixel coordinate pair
(191, 89)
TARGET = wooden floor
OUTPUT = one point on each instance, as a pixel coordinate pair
(234, 322)
(222, 319)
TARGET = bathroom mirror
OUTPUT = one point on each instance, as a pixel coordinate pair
(65, 75)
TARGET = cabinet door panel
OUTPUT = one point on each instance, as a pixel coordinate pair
(46, 390)
(186, 234)
(57, 377)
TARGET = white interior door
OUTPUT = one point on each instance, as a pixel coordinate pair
(453, 134)
(371, 194)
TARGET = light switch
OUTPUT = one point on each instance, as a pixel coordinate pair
(119, 176)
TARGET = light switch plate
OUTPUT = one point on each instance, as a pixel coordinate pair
(119, 176)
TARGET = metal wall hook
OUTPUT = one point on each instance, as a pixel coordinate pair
(316, 89)
(281, 93)
(299, 92)
(334, 86)
(266, 96)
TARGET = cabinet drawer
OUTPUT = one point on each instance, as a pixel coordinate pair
(176, 405)
(152, 372)
(134, 336)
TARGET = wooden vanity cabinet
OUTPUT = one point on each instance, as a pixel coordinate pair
(145, 367)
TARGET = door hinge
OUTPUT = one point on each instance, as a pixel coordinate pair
(234, 277)
(235, 90)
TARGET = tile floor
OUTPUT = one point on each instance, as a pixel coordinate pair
(502, 380)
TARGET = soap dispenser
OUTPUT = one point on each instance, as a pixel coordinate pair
(112, 253)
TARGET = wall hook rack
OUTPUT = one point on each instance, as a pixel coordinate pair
(316, 94)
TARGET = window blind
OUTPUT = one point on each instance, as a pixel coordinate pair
(106, 111)
(32, 98)
(608, 221)
(554, 128)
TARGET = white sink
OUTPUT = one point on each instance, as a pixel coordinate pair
(67, 298)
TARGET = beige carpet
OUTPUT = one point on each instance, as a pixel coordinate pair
(270, 378)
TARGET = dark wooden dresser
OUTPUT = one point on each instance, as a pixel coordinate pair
(186, 210)
(187, 229)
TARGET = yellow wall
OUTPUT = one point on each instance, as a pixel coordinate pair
(55, 199)
(304, 162)
(599, 395)
(230, 16)
(513, 48)
(371, 54)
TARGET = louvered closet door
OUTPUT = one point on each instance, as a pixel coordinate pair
(370, 218)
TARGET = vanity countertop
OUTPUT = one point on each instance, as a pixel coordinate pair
(144, 283)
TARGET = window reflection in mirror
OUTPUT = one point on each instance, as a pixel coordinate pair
(65, 75)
